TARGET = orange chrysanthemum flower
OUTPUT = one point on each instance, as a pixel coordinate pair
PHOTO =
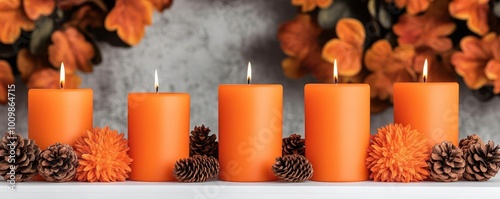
(474, 11)
(102, 156)
(309, 5)
(347, 49)
(398, 154)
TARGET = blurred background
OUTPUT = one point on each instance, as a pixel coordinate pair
(198, 44)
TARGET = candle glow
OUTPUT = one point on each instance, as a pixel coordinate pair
(249, 73)
(335, 72)
(62, 74)
(425, 71)
(156, 82)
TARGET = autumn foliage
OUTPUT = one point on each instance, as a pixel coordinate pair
(36, 36)
(387, 41)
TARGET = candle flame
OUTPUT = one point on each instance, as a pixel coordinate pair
(425, 71)
(335, 72)
(156, 82)
(249, 73)
(62, 75)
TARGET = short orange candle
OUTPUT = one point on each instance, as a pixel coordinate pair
(337, 130)
(430, 108)
(158, 133)
(59, 115)
(250, 131)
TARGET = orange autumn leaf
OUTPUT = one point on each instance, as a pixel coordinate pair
(474, 11)
(309, 5)
(299, 36)
(470, 63)
(439, 69)
(380, 86)
(292, 67)
(6, 78)
(49, 78)
(12, 21)
(130, 18)
(388, 66)
(347, 49)
(412, 6)
(493, 66)
(425, 30)
(161, 5)
(36, 8)
(493, 72)
(381, 57)
(26, 64)
(86, 16)
(69, 46)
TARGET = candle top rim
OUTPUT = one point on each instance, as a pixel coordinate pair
(339, 84)
(61, 89)
(425, 83)
(252, 85)
(159, 93)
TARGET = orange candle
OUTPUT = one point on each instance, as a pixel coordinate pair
(337, 130)
(250, 130)
(430, 108)
(158, 133)
(59, 115)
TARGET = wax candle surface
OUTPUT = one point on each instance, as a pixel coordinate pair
(59, 115)
(431, 108)
(337, 124)
(158, 133)
(250, 131)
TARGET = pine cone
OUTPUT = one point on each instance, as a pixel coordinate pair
(470, 140)
(446, 163)
(26, 157)
(293, 144)
(58, 163)
(196, 169)
(200, 143)
(293, 168)
(482, 161)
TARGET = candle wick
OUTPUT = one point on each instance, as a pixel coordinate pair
(156, 89)
(335, 80)
(425, 79)
(248, 81)
(61, 84)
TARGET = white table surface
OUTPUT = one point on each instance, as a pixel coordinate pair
(271, 190)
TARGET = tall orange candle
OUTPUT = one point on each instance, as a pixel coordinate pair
(158, 133)
(59, 115)
(431, 108)
(337, 130)
(250, 130)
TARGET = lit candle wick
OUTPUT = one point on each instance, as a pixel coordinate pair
(156, 82)
(62, 74)
(335, 72)
(249, 73)
(425, 71)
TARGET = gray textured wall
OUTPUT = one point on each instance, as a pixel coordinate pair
(199, 44)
